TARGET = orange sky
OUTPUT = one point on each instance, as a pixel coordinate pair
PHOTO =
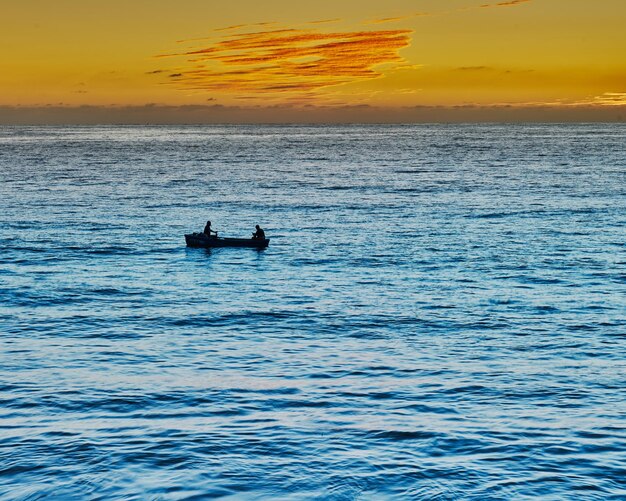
(251, 58)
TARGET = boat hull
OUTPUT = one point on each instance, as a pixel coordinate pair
(201, 240)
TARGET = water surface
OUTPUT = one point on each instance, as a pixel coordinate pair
(440, 314)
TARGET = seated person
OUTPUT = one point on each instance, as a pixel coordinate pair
(207, 229)
(259, 234)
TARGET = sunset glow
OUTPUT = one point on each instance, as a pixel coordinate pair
(530, 54)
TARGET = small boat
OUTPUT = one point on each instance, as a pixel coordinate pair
(201, 240)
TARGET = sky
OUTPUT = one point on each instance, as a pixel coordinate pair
(196, 61)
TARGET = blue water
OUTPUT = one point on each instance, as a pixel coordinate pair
(441, 313)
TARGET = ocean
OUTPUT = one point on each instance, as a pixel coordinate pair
(440, 314)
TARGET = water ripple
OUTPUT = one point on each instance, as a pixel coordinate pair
(440, 314)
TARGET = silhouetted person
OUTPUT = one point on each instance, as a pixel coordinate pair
(207, 229)
(259, 234)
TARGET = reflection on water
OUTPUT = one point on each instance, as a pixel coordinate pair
(440, 313)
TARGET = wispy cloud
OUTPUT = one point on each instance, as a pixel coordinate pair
(474, 68)
(287, 61)
(509, 3)
(395, 19)
(606, 99)
(236, 27)
(325, 21)
(230, 28)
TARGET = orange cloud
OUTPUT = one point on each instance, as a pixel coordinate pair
(607, 99)
(383, 20)
(505, 4)
(604, 100)
(287, 61)
(325, 21)
(233, 27)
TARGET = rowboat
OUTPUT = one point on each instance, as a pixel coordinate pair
(201, 240)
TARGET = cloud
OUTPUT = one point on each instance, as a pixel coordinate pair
(297, 113)
(509, 3)
(233, 27)
(414, 15)
(287, 61)
(325, 21)
(474, 68)
(606, 99)
(408, 67)
(399, 18)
